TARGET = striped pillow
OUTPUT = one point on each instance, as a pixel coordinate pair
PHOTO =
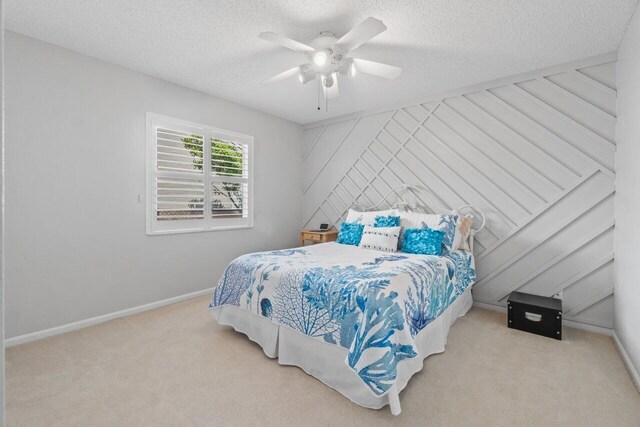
(380, 238)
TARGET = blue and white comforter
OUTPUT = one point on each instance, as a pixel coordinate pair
(369, 302)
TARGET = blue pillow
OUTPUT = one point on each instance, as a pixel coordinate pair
(424, 241)
(350, 233)
(387, 221)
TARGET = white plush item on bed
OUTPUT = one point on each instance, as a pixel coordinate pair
(369, 218)
(325, 361)
(380, 238)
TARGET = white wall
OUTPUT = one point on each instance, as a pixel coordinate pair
(627, 199)
(75, 230)
(535, 152)
(2, 252)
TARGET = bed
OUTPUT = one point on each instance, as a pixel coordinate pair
(362, 321)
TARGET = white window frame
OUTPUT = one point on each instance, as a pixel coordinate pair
(155, 227)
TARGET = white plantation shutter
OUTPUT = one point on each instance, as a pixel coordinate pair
(229, 179)
(179, 183)
(198, 177)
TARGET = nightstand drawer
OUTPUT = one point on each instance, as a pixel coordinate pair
(310, 236)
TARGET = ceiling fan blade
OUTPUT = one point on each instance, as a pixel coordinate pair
(361, 33)
(333, 91)
(284, 75)
(377, 69)
(285, 41)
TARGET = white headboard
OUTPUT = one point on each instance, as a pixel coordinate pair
(413, 204)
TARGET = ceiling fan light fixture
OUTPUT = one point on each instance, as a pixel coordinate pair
(352, 70)
(320, 58)
(306, 74)
(327, 80)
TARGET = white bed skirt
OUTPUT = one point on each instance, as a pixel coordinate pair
(326, 361)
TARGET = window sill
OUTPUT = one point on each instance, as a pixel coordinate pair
(197, 230)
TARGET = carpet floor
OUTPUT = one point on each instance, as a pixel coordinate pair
(175, 366)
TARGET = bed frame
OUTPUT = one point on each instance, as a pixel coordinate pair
(412, 204)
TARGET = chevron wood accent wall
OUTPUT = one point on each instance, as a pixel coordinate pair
(534, 152)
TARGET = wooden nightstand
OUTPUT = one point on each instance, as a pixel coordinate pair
(318, 236)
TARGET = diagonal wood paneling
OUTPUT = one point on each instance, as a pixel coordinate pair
(536, 154)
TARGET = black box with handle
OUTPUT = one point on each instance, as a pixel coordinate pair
(536, 314)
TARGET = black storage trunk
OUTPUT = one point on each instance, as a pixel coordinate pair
(535, 314)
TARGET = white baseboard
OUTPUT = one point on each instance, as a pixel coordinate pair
(567, 323)
(492, 307)
(33, 336)
(627, 361)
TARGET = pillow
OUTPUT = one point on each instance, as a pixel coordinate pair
(423, 241)
(380, 238)
(368, 218)
(464, 229)
(387, 221)
(350, 233)
(449, 223)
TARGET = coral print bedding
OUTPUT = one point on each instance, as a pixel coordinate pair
(372, 303)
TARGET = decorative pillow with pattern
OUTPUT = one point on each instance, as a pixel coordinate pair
(350, 233)
(453, 238)
(368, 218)
(380, 238)
(387, 221)
(423, 241)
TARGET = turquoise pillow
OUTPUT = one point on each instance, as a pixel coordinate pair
(387, 221)
(424, 241)
(350, 233)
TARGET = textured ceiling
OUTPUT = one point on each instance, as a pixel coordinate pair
(212, 46)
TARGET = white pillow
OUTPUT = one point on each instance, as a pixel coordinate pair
(369, 218)
(449, 223)
(380, 238)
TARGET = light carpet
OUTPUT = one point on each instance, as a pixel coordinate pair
(175, 366)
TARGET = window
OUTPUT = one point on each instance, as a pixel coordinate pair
(199, 178)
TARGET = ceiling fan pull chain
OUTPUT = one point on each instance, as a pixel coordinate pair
(318, 94)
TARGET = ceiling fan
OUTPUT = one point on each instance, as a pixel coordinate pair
(329, 57)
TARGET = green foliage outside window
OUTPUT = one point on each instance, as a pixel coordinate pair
(227, 160)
